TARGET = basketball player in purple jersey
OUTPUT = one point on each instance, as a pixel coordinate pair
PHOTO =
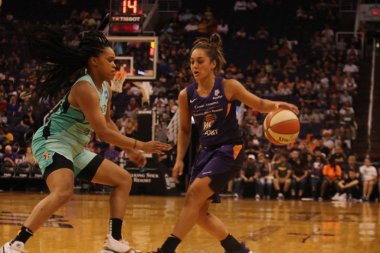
(211, 100)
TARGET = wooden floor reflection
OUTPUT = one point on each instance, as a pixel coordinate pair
(266, 226)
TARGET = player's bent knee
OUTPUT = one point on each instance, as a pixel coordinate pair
(194, 197)
(64, 196)
(125, 181)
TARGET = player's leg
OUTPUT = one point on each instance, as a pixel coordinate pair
(210, 223)
(210, 165)
(196, 197)
(61, 185)
(113, 175)
(94, 168)
(219, 167)
(60, 181)
(215, 227)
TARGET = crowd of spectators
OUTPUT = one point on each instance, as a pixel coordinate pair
(294, 58)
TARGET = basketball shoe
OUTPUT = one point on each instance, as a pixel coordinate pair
(112, 245)
(15, 247)
(244, 249)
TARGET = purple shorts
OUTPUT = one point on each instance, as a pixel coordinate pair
(220, 164)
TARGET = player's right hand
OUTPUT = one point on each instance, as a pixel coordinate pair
(177, 170)
(155, 147)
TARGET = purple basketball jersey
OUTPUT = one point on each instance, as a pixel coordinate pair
(214, 116)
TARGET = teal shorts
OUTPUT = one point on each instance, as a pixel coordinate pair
(44, 150)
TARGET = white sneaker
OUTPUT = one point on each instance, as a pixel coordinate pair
(257, 197)
(16, 247)
(342, 197)
(112, 245)
(335, 197)
(280, 196)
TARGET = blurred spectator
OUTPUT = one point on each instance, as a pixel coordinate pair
(299, 174)
(130, 128)
(112, 154)
(240, 6)
(28, 158)
(341, 45)
(262, 34)
(282, 177)
(316, 175)
(349, 84)
(266, 176)
(250, 178)
(328, 33)
(222, 28)
(353, 54)
(368, 175)
(192, 26)
(10, 157)
(350, 68)
(332, 174)
(349, 186)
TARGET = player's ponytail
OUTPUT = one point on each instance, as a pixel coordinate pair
(213, 46)
(62, 64)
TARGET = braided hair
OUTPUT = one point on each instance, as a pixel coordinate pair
(61, 63)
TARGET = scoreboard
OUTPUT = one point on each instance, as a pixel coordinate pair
(126, 17)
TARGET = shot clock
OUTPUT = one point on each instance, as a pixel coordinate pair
(126, 17)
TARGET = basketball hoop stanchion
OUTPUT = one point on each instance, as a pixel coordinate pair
(118, 81)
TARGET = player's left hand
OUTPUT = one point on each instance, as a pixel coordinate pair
(137, 158)
(287, 106)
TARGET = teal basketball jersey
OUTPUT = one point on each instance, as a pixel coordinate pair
(66, 131)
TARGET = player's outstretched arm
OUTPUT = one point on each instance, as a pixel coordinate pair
(87, 99)
(236, 91)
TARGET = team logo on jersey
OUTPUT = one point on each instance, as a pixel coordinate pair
(104, 108)
(192, 100)
(46, 155)
(211, 132)
(209, 120)
(217, 94)
(106, 94)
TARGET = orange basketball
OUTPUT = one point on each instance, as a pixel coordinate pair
(281, 127)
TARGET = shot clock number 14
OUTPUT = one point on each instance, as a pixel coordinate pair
(130, 7)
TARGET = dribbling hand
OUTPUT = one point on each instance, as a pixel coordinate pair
(287, 106)
(177, 170)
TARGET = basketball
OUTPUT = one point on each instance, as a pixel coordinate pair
(281, 127)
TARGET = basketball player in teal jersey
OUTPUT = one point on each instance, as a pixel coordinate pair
(59, 145)
(211, 100)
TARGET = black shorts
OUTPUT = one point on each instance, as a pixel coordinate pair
(87, 174)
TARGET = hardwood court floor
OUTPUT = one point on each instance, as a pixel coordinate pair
(266, 226)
